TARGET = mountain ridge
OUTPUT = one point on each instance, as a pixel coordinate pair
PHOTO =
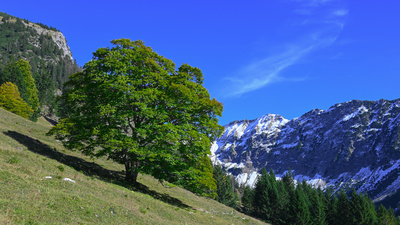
(353, 144)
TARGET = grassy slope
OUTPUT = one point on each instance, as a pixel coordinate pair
(99, 196)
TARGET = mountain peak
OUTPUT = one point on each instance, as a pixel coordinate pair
(335, 146)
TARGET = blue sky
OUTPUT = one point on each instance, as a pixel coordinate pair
(284, 57)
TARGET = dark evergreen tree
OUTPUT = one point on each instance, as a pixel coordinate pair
(283, 203)
(361, 210)
(261, 201)
(299, 212)
(386, 217)
(317, 207)
(225, 192)
(288, 180)
(247, 199)
(331, 202)
(275, 205)
(342, 209)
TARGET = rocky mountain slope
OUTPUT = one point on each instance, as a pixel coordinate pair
(46, 50)
(351, 145)
(57, 37)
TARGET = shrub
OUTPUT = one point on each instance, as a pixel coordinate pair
(10, 99)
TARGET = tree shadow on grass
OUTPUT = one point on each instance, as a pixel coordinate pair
(51, 121)
(90, 168)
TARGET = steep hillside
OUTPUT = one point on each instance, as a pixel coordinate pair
(42, 183)
(350, 145)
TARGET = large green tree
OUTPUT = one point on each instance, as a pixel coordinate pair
(132, 105)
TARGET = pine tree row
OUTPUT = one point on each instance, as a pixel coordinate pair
(285, 201)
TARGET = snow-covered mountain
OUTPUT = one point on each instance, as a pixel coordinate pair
(351, 145)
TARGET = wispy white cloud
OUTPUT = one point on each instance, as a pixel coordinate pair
(268, 70)
(263, 72)
(340, 12)
(313, 3)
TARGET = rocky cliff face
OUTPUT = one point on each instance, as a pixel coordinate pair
(57, 37)
(351, 145)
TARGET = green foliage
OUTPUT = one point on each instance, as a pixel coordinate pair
(49, 67)
(247, 199)
(13, 160)
(61, 168)
(299, 211)
(199, 179)
(284, 202)
(47, 27)
(31, 90)
(362, 210)
(19, 73)
(12, 73)
(385, 216)
(131, 105)
(225, 190)
(260, 191)
(11, 100)
(342, 208)
(268, 202)
(317, 207)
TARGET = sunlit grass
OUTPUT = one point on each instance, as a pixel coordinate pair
(32, 189)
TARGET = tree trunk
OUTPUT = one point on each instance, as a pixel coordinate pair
(130, 173)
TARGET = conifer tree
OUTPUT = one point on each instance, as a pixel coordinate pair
(288, 180)
(361, 210)
(247, 199)
(275, 205)
(19, 72)
(299, 212)
(225, 193)
(385, 216)
(283, 203)
(317, 208)
(331, 201)
(32, 92)
(342, 209)
(261, 201)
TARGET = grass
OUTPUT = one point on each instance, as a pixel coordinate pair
(33, 190)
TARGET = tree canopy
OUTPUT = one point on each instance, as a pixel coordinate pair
(19, 73)
(286, 201)
(11, 100)
(132, 105)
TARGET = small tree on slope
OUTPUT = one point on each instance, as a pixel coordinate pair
(11, 100)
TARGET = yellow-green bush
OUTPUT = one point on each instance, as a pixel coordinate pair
(10, 99)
